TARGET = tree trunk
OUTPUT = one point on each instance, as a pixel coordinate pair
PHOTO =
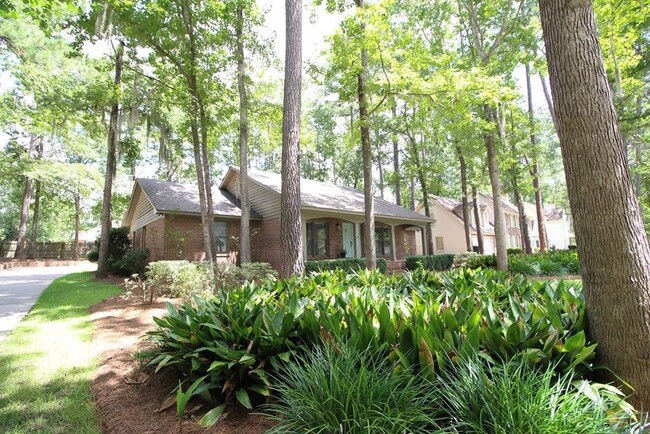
(198, 166)
(521, 210)
(290, 218)
(77, 223)
(549, 101)
(534, 170)
(412, 191)
(245, 235)
(425, 191)
(113, 137)
(380, 167)
(463, 186)
(35, 219)
(24, 217)
(612, 243)
(366, 150)
(477, 221)
(396, 168)
(493, 169)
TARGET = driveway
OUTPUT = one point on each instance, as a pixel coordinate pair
(21, 287)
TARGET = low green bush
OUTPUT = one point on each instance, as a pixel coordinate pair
(481, 261)
(517, 398)
(180, 279)
(346, 264)
(521, 265)
(133, 262)
(549, 267)
(418, 319)
(93, 255)
(430, 262)
(343, 389)
(515, 251)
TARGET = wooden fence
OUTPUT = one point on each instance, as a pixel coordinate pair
(46, 250)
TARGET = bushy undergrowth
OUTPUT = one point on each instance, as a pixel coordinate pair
(431, 262)
(122, 259)
(420, 321)
(349, 265)
(343, 389)
(517, 398)
(550, 263)
(188, 280)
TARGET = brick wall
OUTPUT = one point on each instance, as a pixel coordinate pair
(405, 242)
(269, 248)
(154, 234)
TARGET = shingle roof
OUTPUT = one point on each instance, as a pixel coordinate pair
(552, 213)
(321, 195)
(169, 197)
(455, 207)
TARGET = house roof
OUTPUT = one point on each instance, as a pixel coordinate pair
(506, 205)
(325, 196)
(173, 197)
(553, 213)
(455, 207)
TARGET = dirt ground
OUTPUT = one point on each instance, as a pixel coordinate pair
(127, 397)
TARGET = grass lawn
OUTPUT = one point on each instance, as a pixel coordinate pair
(46, 363)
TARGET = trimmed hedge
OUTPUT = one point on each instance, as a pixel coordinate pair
(515, 251)
(345, 264)
(430, 262)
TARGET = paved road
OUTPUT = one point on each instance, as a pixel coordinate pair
(21, 287)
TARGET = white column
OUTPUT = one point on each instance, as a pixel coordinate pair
(392, 239)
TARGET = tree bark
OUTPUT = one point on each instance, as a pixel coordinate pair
(396, 168)
(35, 219)
(366, 151)
(534, 170)
(113, 137)
(495, 181)
(24, 217)
(463, 187)
(245, 235)
(290, 218)
(477, 221)
(77, 223)
(612, 243)
(412, 191)
(380, 167)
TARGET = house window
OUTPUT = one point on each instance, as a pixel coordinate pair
(383, 241)
(221, 232)
(440, 243)
(316, 239)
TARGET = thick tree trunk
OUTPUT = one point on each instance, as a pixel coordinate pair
(366, 150)
(290, 218)
(24, 217)
(245, 234)
(523, 224)
(35, 220)
(534, 170)
(412, 191)
(425, 192)
(380, 168)
(495, 181)
(396, 168)
(113, 137)
(198, 165)
(77, 223)
(612, 243)
(467, 224)
(477, 220)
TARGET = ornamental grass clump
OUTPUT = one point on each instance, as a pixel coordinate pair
(341, 389)
(515, 397)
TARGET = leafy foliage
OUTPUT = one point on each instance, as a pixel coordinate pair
(431, 262)
(346, 264)
(344, 389)
(420, 321)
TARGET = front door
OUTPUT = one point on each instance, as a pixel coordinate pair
(348, 240)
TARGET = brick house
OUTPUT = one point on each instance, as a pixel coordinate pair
(165, 218)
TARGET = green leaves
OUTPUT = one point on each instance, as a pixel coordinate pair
(422, 322)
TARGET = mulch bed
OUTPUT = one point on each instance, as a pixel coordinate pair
(128, 396)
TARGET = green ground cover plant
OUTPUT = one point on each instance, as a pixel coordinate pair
(420, 321)
(46, 362)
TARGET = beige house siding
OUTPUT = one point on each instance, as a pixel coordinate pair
(450, 228)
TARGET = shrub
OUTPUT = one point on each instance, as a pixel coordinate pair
(516, 398)
(417, 320)
(430, 262)
(93, 255)
(346, 264)
(347, 390)
(548, 267)
(514, 251)
(522, 265)
(573, 247)
(481, 261)
(257, 272)
(134, 262)
(234, 339)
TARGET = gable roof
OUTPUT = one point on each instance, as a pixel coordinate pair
(455, 207)
(324, 196)
(173, 197)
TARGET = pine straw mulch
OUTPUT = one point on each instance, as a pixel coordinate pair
(128, 397)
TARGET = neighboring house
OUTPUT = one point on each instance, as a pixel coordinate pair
(558, 228)
(448, 232)
(165, 218)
